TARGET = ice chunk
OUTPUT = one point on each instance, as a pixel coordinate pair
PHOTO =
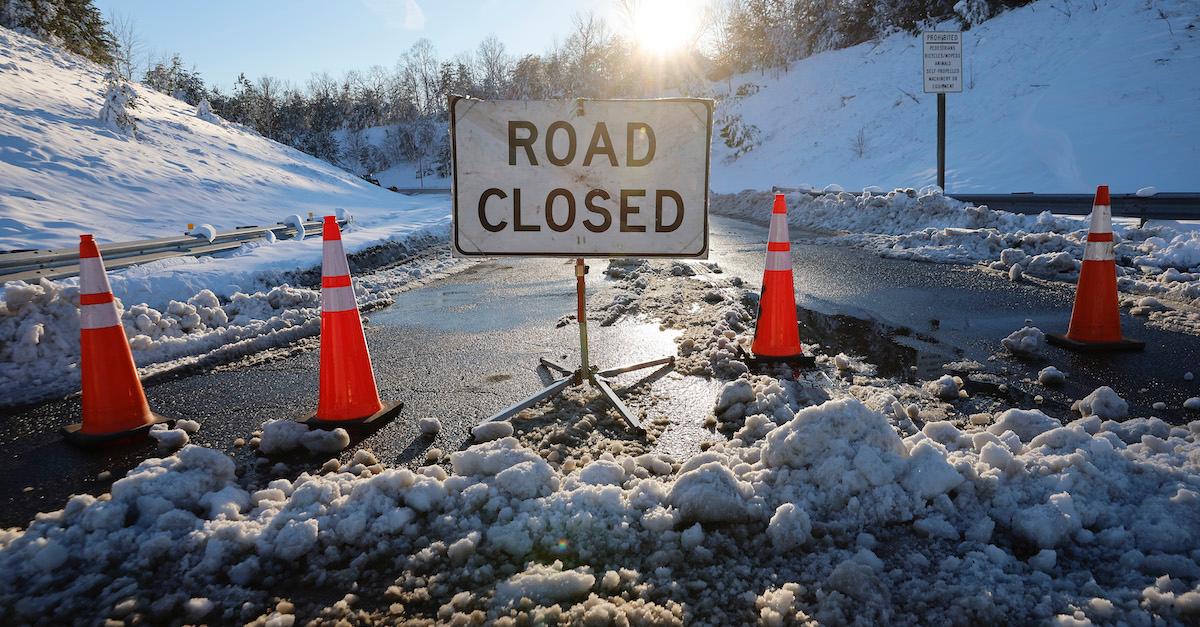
(929, 473)
(1025, 423)
(711, 493)
(602, 473)
(1026, 342)
(282, 436)
(545, 584)
(429, 426)
(945, 388)
(1051, 376)
(489, 431)
(790, 527)
(1103, 402)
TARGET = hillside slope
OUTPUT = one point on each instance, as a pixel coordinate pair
(62, 172)
(1058, 98)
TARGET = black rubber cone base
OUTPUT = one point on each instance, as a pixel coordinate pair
(389, 411)
(74, 435)
(1060, 339)
(799, 361)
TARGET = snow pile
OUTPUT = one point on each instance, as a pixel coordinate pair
(858, 520)
(39, 323)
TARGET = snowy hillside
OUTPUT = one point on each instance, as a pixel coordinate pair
(1058, 97)
(62, 172)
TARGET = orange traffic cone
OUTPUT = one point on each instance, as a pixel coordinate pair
(114, 405)
(777, 333)
(348, 395)
(1096, 317)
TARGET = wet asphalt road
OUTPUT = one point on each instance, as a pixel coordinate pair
(465, 347)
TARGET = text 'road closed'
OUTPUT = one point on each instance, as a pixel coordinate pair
(581, 178)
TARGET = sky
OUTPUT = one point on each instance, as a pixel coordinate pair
(291, 39)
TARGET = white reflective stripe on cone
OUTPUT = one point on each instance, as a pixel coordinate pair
(1101, 219)
(333, 263)
(100, 316)
(1098, 251)
(92, 278)
(779, 260)
(337, 299)
(779, 228)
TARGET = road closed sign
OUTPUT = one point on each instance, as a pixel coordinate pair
(943, 62)
(581, 178)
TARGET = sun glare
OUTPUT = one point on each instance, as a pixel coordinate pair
(664, 27)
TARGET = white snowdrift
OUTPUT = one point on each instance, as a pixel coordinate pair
(65, 173)
(837, 475)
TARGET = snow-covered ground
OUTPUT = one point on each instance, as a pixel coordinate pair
(1158, 265)
(834, 496)
(64, 173)
(1059, 96)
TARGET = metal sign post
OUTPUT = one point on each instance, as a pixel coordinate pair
(942, 70)
(581, 178)
(586, 372)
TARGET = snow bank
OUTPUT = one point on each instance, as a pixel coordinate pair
(834, 475)
(1153, 261)
(39, 323)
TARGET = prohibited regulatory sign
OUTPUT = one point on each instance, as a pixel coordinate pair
(943, 62)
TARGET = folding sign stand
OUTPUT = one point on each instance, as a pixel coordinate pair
(586, 371)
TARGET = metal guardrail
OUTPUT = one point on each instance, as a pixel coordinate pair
(64, 262)
(1161, 206)
(412, 191)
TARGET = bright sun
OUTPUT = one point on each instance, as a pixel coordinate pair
(664, 27)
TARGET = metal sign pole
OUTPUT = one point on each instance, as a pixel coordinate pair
(941, 140)
(584, 373)
(581, 315)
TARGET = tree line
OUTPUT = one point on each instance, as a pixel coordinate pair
(406, 102)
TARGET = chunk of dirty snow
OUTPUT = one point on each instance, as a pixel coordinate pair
(489, 431)
(1026, 423)
(1103, 402)
(1051, 376)
(602, 473)
(545, 585)
(841, 361)
(170, 439)
(929, 474)
(790, 527)
(946, 387)
(429, 426)
(1192, 403)
(711, 493)
(282, 436)
(1044, 560)
(191, 426)
(1026, 342)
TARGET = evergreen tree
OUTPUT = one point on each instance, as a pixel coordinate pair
(75, 25)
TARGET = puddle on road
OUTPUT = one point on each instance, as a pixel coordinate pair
(466, 308)
(896, 352)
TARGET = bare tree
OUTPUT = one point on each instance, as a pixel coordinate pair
(494, 65)
(129, 45)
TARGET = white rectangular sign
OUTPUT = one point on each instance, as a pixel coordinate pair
(943, 62)
(581, 178)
